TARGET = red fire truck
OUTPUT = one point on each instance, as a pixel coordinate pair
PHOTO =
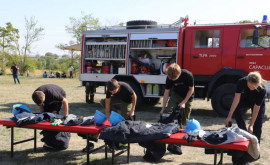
(139, 53)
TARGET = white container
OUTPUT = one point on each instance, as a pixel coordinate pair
(121, 70)
(155, 89)
(149, 89)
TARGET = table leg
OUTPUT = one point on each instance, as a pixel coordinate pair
(87, 148)
(215, 157)
(128, 153)
(113, 144)
(221, 158)
(106, 151)
(12, 141)
(35, 139)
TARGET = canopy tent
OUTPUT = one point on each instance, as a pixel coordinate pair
(75, 47)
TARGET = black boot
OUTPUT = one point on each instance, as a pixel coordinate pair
(175, 149)
(91, 99)
(91, 147)
(87, 99)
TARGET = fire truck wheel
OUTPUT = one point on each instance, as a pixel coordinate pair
(141, 24)
(222, 98)
(151, 101)
(138, 92)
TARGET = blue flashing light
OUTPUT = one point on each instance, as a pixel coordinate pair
(264, 19)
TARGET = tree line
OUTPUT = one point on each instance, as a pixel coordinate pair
(52, 61)
(11, 50)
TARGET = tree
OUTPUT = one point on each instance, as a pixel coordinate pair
(41, 62)
(8, 34)
(76, 29)
(113, 22)
(51, 61)
(33, 34)
(247, 21)
(121, 24)
(77, 24)
(62, 47)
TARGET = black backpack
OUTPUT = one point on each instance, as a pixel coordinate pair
(56, 140)
(154, 150)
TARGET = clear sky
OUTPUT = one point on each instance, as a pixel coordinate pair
(53, 15)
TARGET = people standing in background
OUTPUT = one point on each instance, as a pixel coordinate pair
(71, 71)
(15, 72)
(27, 73)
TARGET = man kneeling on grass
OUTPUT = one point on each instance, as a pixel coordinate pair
(119, 96)
(122, 95)
(50, 98)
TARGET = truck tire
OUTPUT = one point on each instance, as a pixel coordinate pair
(141, 24)
(151, 101)
(138, 92)
(222, 98)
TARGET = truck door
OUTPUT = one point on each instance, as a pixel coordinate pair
(253, 57)
(206, 51)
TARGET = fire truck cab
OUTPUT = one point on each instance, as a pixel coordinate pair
(139, 54)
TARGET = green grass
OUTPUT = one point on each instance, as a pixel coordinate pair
(11, 94)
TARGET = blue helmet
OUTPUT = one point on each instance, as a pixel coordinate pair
(192, 126)
(99, 117)
(115, 118)
(19, 108)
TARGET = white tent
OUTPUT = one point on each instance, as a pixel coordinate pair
(75, 47)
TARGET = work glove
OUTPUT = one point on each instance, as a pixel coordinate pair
(56, 122)
(229, 124)
(190, 136)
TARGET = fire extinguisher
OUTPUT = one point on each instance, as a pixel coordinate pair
(144, 70)
(88, 67)
(134, 67)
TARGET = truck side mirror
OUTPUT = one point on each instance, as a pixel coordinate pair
(256, 35)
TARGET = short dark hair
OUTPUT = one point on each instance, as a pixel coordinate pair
(37, 97)
(112, 84)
